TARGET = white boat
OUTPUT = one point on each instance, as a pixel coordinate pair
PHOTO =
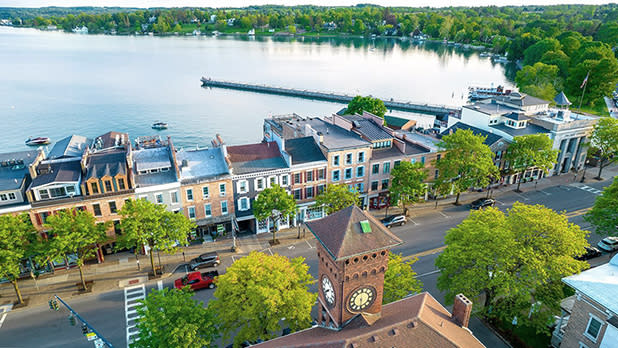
(37, 141)
(485, 54)
(499, 59)
(159, 125)
(476, 93)
(251, 32)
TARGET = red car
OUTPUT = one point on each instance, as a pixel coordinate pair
(197, 280)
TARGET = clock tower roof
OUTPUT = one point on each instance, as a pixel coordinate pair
(350, 232)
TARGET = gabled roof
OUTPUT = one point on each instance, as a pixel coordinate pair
(106, 164)
(598, 283)
(303, 150)
(490, 139)
(70, 171)
(72, 146)
(341, 234)
(561, 99)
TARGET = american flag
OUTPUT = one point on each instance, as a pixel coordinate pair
(585, 80)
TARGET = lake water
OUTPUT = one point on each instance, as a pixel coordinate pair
(55, 84)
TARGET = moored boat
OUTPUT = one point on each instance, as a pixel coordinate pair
(475, 93)
(38, 141)
(159, 125)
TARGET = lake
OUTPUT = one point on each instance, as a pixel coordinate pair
(56, 84)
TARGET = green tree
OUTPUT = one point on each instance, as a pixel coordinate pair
(369, 104)
(75, 232)
(608, 33)
(605, 138)
(292, 29)
(147, 224)
(534, 53)
(467, 163)
(274, 203)
(15, 233)
(540, 80)
(512, 260)
(337, 197)
(399, 279)
(407, 184)
(604, 213)
(257, 291)
(530, 151)
(172, 318)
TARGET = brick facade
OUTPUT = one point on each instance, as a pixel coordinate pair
(575, 331)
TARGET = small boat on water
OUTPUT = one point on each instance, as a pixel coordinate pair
(485, 54)
(159, 125)
(476, 93)
(37, 141)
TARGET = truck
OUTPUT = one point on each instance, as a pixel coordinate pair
(197, 280)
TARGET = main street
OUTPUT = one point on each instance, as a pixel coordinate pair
(423, 237)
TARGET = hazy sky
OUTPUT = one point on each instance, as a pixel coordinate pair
(242, 3)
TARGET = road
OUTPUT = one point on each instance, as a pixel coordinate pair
(423, 236)
(611, 107)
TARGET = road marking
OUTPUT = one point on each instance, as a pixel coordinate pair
(522, 196)
(291, 247)
(547, 193)
(309, 244)
(428, 273)
(578, 212)
(5, 309)
(270, 251)
(424, 253)
(133, 294)
(160, 285)
(590, 189)
(501, 203)
(441, 213)
(414, 222)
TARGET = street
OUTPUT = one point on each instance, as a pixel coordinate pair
(423, 236)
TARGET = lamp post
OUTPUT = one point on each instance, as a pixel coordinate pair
(585, 166)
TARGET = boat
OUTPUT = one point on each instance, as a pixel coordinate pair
(37, 141)
(159, 125)
(476, 93)
(499, 59)
(485, 54)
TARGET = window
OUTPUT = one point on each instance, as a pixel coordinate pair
(57, 192)
(297, 195)
(386, 167)
(360, 171)
(321, 188)
(159, 198)
(436, 174)
(438, 157)
(413, 160)
(207, 210)
(190, 196)
(174, 197)
(44, 194)
(112, 207)
(593, 328)
(384, 184)
(336, 160)
(259, 184)
(108, 186)
(336, 174)
(348, 158)
(375, 169)
(309, 192)
(94, 188)
(205, 192)
(348, 173)
(321, 174)
(97, 209)
(361, 157)
(70, 189)
(224, 208)
(297, 178)
(222, 189)
(360, 187)
(374, 185)
(12, 196)
(191, 212)
(423, 160)
(309, 176)
(243, 186)
(121, 184)
(396, 163)
(243, 204)
(3, 197)
(285, 180)
(272, 181)
(117, 229)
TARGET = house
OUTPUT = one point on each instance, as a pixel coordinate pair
(353, 248)
(592, 320)
(213, 18)
(15, 177)
(256, 167)
(329, 26)
(106, 165)
(205, 185)
(230, 22)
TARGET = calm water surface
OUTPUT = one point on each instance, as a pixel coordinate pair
(56, 84)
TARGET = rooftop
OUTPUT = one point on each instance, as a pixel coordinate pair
(204, 163)
(517, 116)
(424, 140)
(335, 137)
(152, 179)
(151, 159)
(14, 168)
(253, 152)
(598, 283)
(491, 108)
(521, 99)
(72, 146)
(106, 164)
(69, 171)
(368, 128)
(259, 165)
(490, 139)
(381, 154)
(303, 150)
(529, 129)
(395, 121)
(110, 139)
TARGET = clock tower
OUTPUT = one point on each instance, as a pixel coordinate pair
(352, 249)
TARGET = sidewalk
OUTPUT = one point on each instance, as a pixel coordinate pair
(121, 269)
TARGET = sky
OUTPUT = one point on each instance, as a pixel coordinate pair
(243, 3)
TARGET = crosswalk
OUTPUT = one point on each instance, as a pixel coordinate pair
(588, 188)
(132, 295)
(4, 310)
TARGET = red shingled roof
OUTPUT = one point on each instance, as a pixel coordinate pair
(252, 152)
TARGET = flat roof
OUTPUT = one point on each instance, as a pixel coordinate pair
(259, 165)
(14, 168)
(202, 163)
(151, 158)
(598, 283)
(529, 129)
(491, 108)
(71, 146)
(303, 150)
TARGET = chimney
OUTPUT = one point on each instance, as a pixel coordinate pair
(462, 307)
(321, 138)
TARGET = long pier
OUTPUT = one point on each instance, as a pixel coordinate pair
(332, 97)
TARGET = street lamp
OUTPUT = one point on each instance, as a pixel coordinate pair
(585, 166)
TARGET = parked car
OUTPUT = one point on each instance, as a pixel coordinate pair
(591, 252)
(197, 280)
(205, 260)
(393, 220)
(608, 244)
(482, 203)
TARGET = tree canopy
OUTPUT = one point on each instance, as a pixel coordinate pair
(369, 104)
(399, 279)
(604, 213)
(257, 292)
(274, 203)
(337, 197)
(512, 260)
(530, 151)
(605, 139)
(172, 318)
(407, 183)
(15, 233)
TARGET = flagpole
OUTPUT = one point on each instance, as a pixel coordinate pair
(584, 91)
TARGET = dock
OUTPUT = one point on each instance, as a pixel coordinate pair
(425, 108)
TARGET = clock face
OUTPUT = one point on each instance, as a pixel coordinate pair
(328, 291)
(361, 298)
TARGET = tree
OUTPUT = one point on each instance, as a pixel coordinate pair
(399, 279)
(604, 213)
(75, 232)
(605, 138)
(530, 151)
(369, 104)
(512, 261)
(257, 291)
(172, 318)
(534, 53)
(467, 162)
(15, 233)
(274, 203)
(408, 184)
(337, 197)
(540, 80)
(147, 224)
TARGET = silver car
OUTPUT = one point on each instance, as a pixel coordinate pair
(608, 244)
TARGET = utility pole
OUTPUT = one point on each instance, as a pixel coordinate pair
(85, 325)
